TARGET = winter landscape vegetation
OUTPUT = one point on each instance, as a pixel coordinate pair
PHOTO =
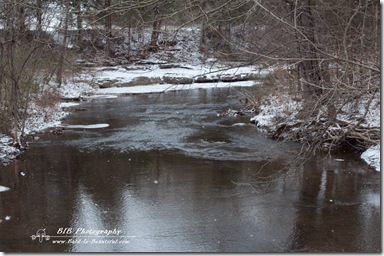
(309, 70)
(319, 76)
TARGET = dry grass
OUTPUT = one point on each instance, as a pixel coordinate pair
(48, 99)
(278, 83)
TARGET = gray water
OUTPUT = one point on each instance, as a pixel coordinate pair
(170, 175)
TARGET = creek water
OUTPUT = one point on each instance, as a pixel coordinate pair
(171, 175)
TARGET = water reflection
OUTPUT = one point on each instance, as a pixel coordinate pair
(169, 200)
(330, 217)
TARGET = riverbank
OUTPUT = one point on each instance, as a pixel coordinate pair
(97, 82)
(100, 82)
(41, 118)
(276, 112)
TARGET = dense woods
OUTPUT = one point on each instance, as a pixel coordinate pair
(326, 54)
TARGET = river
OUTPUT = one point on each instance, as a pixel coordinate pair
(170, 174)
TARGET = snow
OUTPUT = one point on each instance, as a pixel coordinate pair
(239, 124)
(68, 104)
(272, 107)
(371, 118)
(122, 75)
(372, 157)
(185, 57)
(41, 119)
(76, 88)
(276, 107)
(7, 152)
(88, 126)
(50, 21)
(188, 63)
(101, 96)
(3, 189)
(159, 88)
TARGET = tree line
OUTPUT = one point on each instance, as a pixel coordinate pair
(330, 48)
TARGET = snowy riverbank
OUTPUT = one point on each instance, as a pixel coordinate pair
(285, 108)
(126, 80)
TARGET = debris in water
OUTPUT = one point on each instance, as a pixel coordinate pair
(89, 126)
(239, 124)
(2, 188)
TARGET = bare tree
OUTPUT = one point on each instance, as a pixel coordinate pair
(79, 20)
(156, 26)
(22, 55)
(60, 65)
(39, 15)
(331, 46)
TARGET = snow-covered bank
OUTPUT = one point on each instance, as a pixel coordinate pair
(42, 118)
(39, 119)
(372, 157)
(178, 74)
(7, 152)
(281, 107)
(272, 108)
(275, 109)
(159, 88)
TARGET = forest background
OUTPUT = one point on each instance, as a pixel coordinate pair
(325, 57)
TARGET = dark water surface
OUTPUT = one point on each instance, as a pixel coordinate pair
(170, 175)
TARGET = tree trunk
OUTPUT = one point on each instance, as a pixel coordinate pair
(203, 39)
(156, 26)
(60, 65)
(331, 108)
(2, 63)
(108, 28)
(129, 41)
(79, 21)
(308, 68)
(203, 34)
(13, 27)
(20, 21)
(39, 16)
